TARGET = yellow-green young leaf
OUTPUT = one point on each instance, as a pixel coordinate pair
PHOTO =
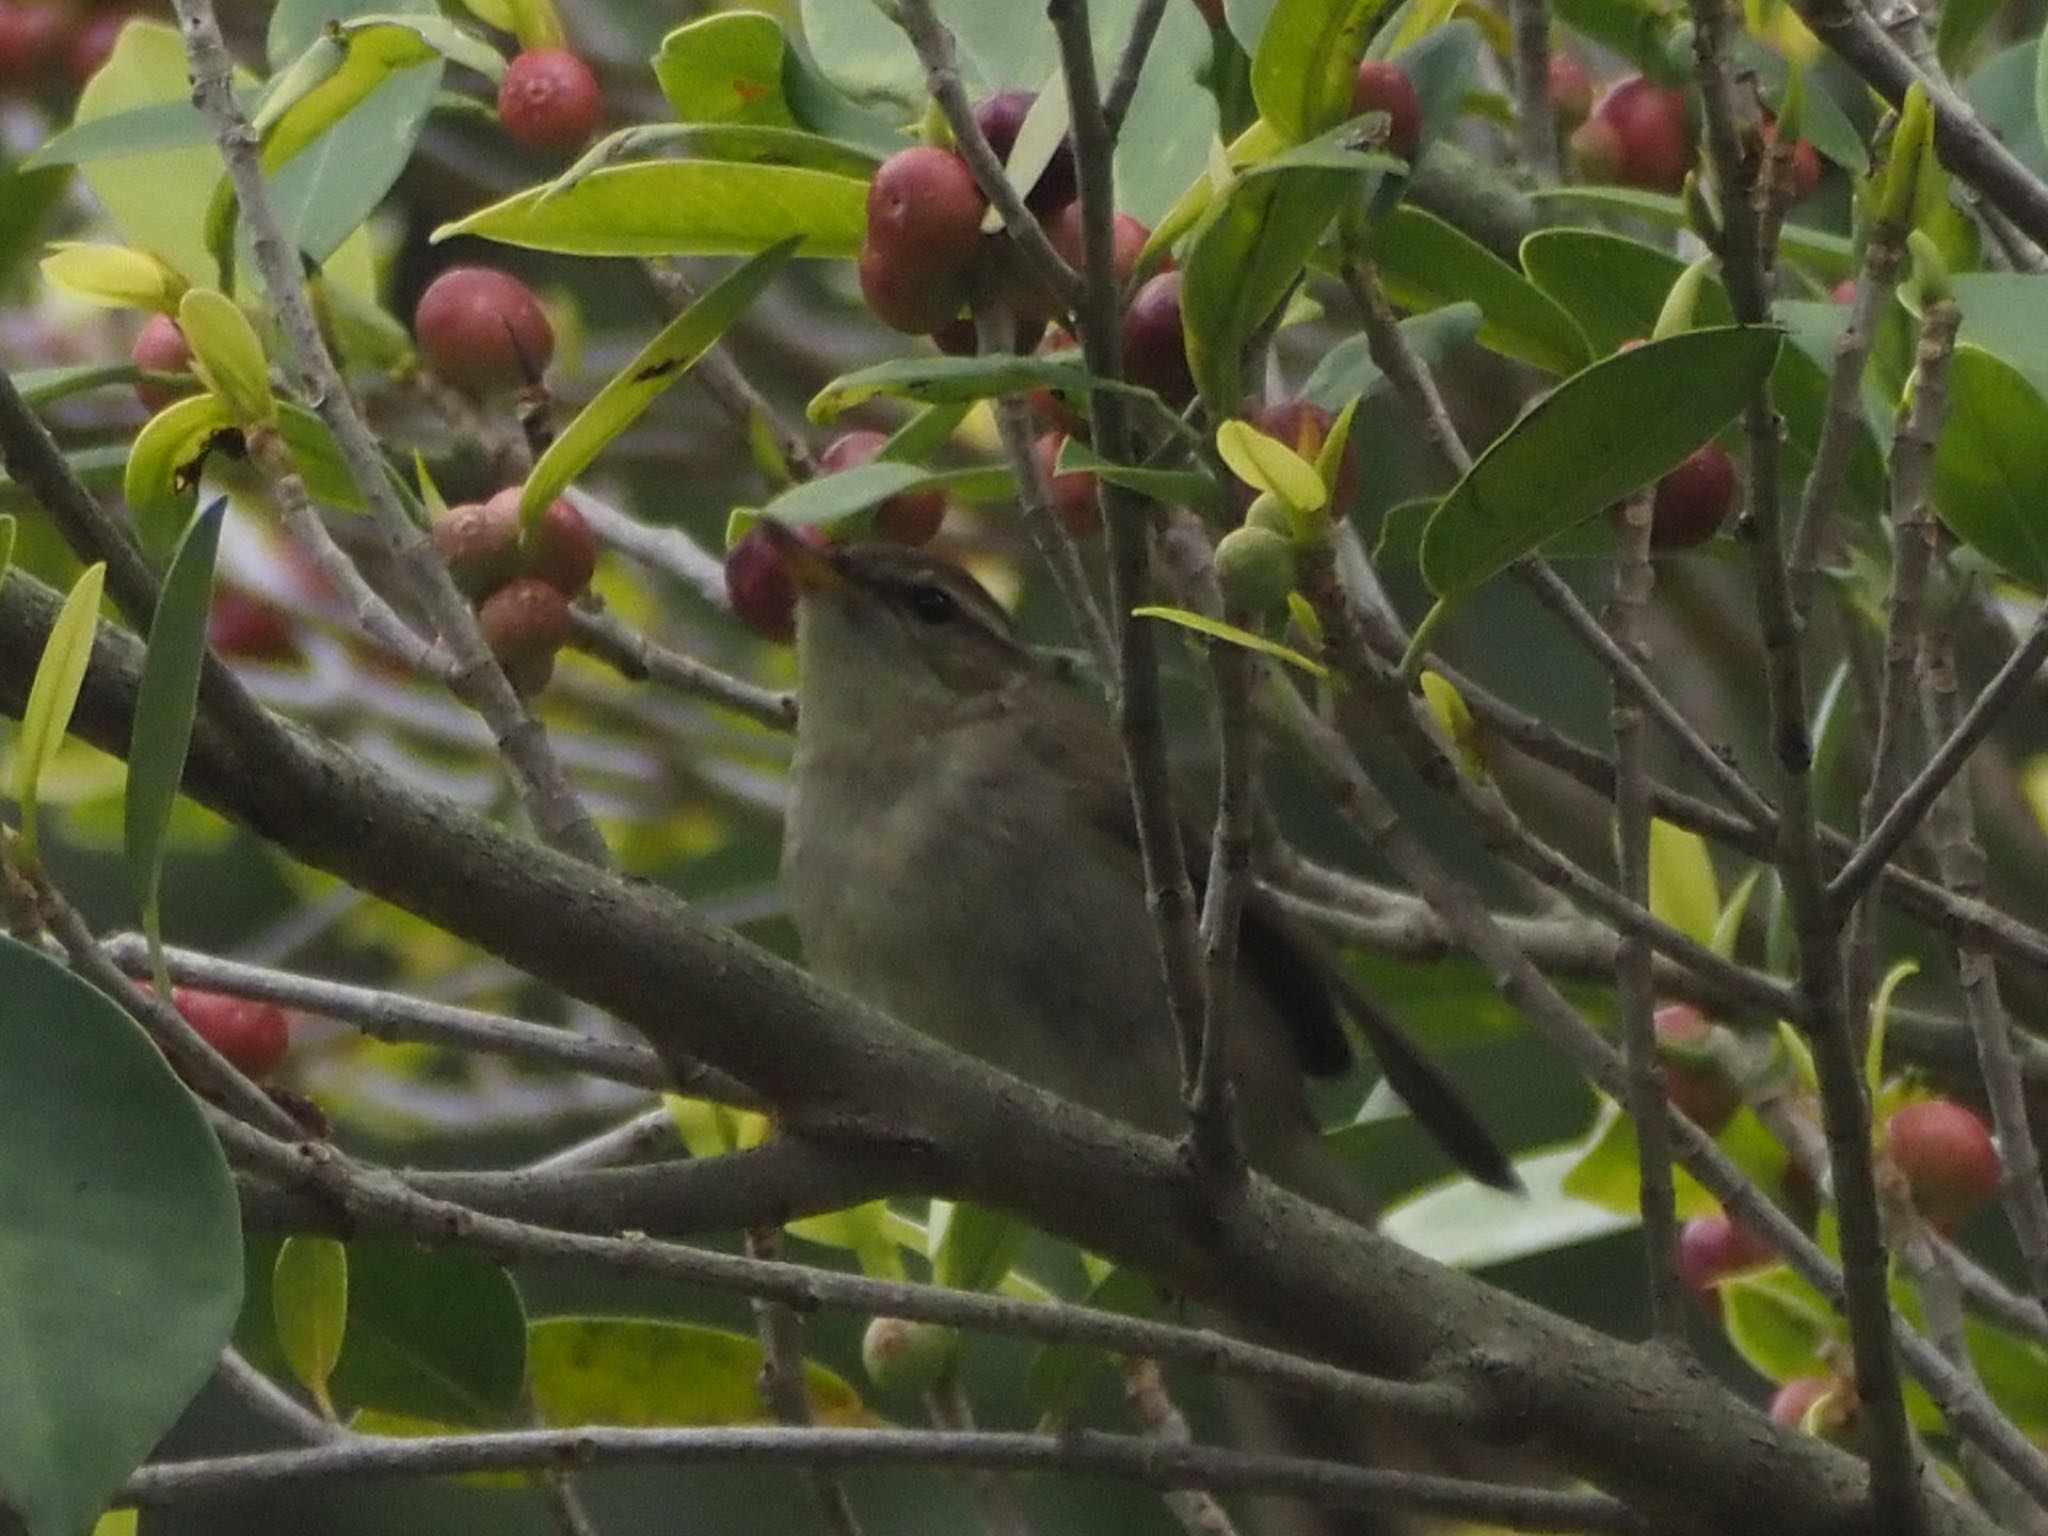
(1800, 1055)
(659, 364)
(6, 543)
(1216, 629)
(1306, 61)
(1330, 457)
(54, 693)
(1267, 464)
(164, 703)
(114, 276)
(309, 1305)
(1682, 301)
(1728, 926)
(1778, 1323)
(165, 461)
(227, 355)
(375, 51)
(1449, 707)
(117, 1522)
(973, 1246)
(710, 1130)
(1608, 1171)
(413, 1426)
(1880, 1017)
(535, 23)
(430, 493)
(639, 1373)
(1683, 891)
(867, 1231)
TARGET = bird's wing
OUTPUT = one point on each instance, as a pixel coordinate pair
(1304, 984)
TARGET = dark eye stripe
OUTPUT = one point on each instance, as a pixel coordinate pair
(929, 604)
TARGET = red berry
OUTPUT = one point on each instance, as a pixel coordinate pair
(1305, 426)
(550, 101)
(1789, 1405)
(1654, 140)
(758, 583)
(1571, 89)
(957, 338)
(1692, 502)
(1803, 175)
(480, 542)
(1000, 117)
(911, 518)
(562, 550)
(253, 1036)
(1155, 347)
(1074, 493)
(91, 44)
(1948, 1158)
(160, 347)
(1384, 87)
(1693, 1082)
(240, 623)
(1712, 1248)
(1212, 11)
(524, 623)
(481, 328)
(1127, 239)
(1597, 151)
(924, 214)
(906, 299)
(30, 36)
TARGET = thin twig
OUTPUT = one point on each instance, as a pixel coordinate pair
(1130, 64)
(271, 1403)
(633, 655)
(785, 1390)
(1161, 1419)
(1001, 1507)
(1211, 1117)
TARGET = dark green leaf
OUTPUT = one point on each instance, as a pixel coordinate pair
(1611, 285)
(438, 1334)
(1829, 255)
(1059, 1372)
(1347, 372)
(1991, 465)
(1426, 264)
(1601, 434)
(120, 1245)
(164, 702)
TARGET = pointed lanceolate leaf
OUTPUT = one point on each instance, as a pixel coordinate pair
(956, 380)
(1605, 432)
(1307, 61)
(681, 208)
(120, 1246)
(53, 694)
(658, 365)
(1216, 629)
(164, 702)
(1991, 465)
(227, 355)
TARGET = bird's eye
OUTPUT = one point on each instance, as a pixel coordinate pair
(930, 605)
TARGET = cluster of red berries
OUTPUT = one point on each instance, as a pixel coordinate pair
(56, 43)
(482, 329)
(522, 586)
(1639, 133)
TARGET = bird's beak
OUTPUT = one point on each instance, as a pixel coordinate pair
(810, 567)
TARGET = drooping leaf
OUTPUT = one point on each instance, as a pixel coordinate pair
(638, 1372)
(664, 360)
(680, 208)
(309, 1303)
(164, 703)
(1991, 465)
(53, 694)
(1216, 629)
(1600, 435)
(120, 1245)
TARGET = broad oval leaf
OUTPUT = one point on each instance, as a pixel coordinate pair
(309, 1304)
(1605, 432)
(1307, 61)
(438, 1335)
(725, 69)
(120, 1245)
(659, 364)
(164, 703)
(54, 693)
(1612, 286)
(639, 1372)
(227, 355)
(1991, 465)
(1426, 263)
(681, 208)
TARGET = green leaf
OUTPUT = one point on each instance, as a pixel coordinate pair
(1600, 435)
(1880, 1019)
(1609, 1171)
(1612, 286)
(958, 381)
(725, 69)
(1426, 263)
(1991, 465)
(120, 1245)
(165, 461)
(1728, 926)
(164, 704)
(1347, 371)
(1307, 60)
(1683, 891)
(162, 125)
(1216, 629)
(972, 1247)
(1829, 255)
(1168, 485)
(1779, 1324)
(831, 497)
(227, 355)
(8, 528)
(1059, 1372)
(1246, 254)
(45, 386)
(309, 1303)
(1469, 1226)
(1267, 464)
(664, 360)
(681, 208)
(639, 1373)
(53, 694)
(112, 275)
(2014, 1371)
(438, 1334)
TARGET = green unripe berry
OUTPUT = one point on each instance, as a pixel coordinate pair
(1269, 512)
(904, 1356)
(1255, 568)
